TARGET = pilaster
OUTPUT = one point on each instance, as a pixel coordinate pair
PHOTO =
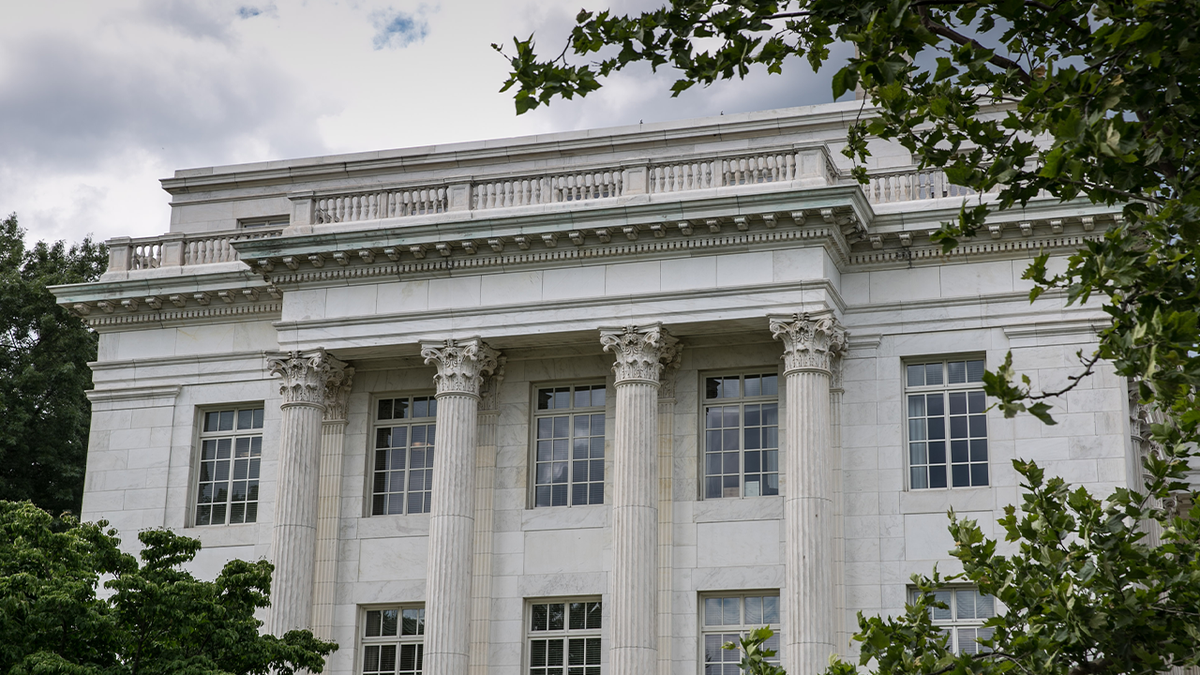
(305, 377)
(461, 365)
(641, 353)
(485, 484)
(812, 345)
(666, 511)
(333, 441)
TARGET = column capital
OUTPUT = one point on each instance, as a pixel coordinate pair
(641, 351)
(461, 364)
(337, 394)
(305, 376)
(810, 343)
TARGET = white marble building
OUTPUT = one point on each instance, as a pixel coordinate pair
(594, 401)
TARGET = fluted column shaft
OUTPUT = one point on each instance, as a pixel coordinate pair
(461, 367)
(633, 613)
(809, 596)
(294, 533)
(329, 503)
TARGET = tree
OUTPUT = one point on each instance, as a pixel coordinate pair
(44, 352)
(157, 618)
(1093, 101)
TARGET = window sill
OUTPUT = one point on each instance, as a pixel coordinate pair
(738, 508)
(566, 517)
(940, 500)
(375, 527)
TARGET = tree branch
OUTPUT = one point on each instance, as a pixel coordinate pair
(1089, 367)
(954, 36)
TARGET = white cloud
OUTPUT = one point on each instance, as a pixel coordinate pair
(397, 29)
(99, 100)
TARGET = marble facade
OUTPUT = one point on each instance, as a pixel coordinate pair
(645, 263)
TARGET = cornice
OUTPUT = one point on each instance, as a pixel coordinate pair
(376, 265)
(162, 318)
(133, 393)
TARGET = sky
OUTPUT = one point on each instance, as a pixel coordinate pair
(99, 99)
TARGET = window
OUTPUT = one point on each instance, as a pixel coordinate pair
(230, 452)
(564, 637)
(569, 448)
(264, 222)
(393, 641)
(741, 436)
(966, 610)
(726, 619)
(946, 399)
(404, 442)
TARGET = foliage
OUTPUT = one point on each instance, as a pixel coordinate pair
(1086, 591)
(754, 654)
(44, 352)
(1089, 101)
(156, 618)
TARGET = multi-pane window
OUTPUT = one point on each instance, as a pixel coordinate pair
(393, 641)
(726, 619)
(564, 637)
(404, 440)
(962, 619)
(230, 453)
(741, 436)
(569, 446)
(946, 407)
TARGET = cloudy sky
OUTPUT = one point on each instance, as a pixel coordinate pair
(99, 99)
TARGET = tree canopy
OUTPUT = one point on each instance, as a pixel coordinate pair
(44, 374)
(156, 617)
(1090, 101)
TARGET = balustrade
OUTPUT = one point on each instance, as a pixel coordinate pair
(810, 166)
(179, 249)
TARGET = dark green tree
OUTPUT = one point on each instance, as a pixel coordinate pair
(1092, 101)
(155, 619)
(44, 352)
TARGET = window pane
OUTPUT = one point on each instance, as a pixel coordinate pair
(975, 371)
(956, 372)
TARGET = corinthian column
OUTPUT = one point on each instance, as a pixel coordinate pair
(810, 347)
(461, 366)
(329, 501)
(294, 534)
(640, 352)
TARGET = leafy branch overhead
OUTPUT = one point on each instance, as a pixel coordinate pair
(1088, 101)
(154, 618)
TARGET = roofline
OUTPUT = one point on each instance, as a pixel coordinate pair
(519, 148)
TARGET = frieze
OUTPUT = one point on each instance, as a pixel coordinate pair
(641, 351)
(461, 364)
(809, 343)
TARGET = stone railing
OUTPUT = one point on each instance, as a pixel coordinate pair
(811, 166)
(377, 205)
(907, 185)
(548, 189)
(767, 167)
(176, 249)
